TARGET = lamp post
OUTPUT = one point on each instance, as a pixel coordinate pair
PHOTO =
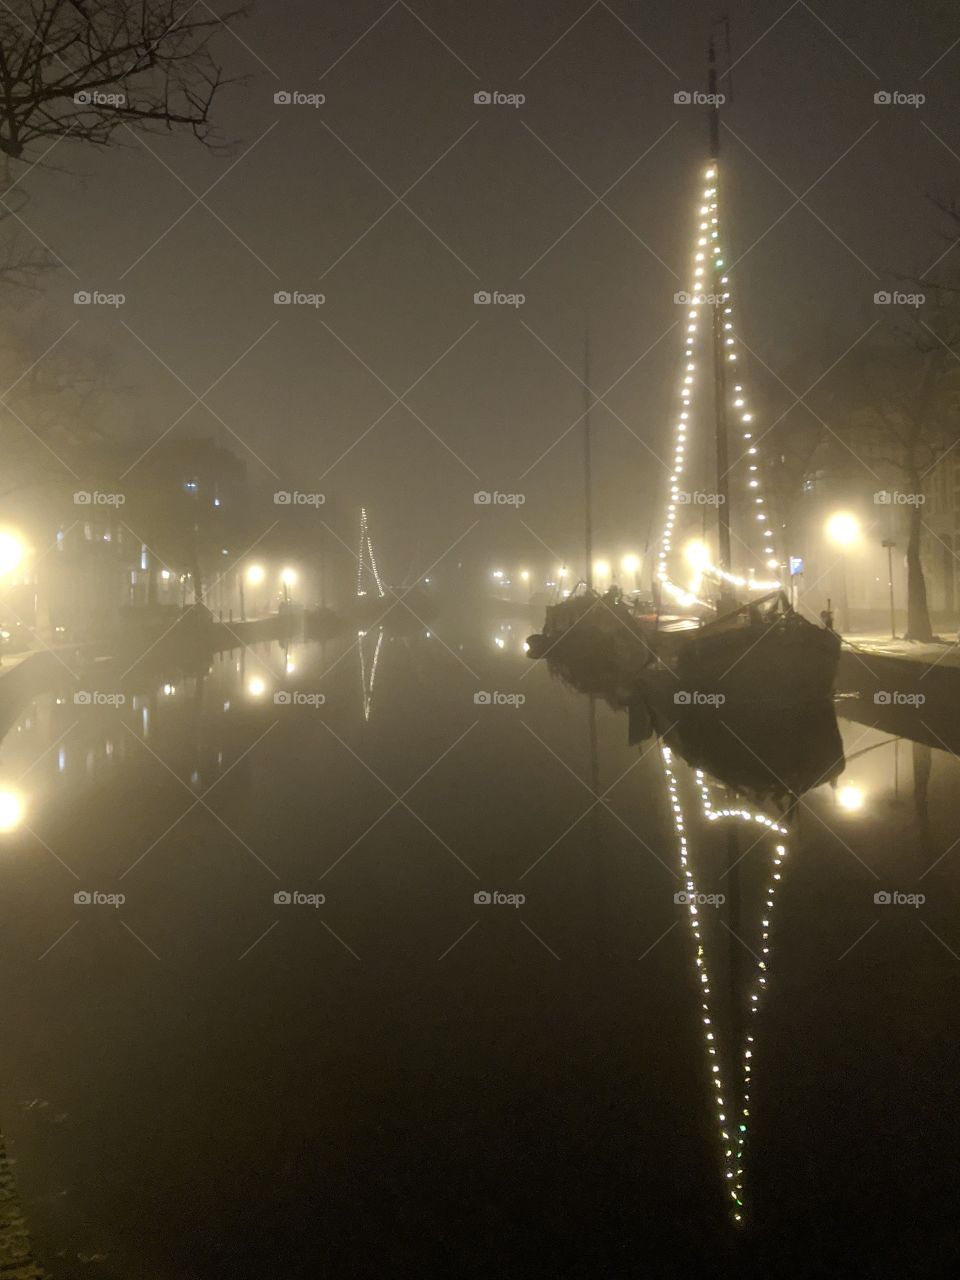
(288, 578)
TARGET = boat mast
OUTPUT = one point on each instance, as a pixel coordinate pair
(727, 598)
(587, 462)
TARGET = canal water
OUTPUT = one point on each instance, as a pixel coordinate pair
(393, 952)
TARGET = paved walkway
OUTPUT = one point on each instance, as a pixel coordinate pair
(929, 654)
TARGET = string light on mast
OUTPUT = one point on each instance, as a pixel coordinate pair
(366, 560)
(709, 265)
(759, 982)
(732, 1123)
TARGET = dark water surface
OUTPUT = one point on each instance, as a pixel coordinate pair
(203, 1082)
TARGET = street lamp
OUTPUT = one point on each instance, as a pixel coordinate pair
(843, 530)
(254, 575)
(288, 578)
(850, 798)
(11, 809)
(631, 564)
(11, 552)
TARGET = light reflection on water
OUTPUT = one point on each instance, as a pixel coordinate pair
(718, 989)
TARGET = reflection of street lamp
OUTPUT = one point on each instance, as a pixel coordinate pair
(843, 530)
(288, 578)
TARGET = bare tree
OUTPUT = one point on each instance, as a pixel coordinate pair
(899, 405)
(85, 69)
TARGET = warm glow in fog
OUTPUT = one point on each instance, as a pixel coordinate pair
(11, 809)
(850, 799)
(11, 552)
(843, 529)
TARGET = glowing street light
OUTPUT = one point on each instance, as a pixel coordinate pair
(601, 569)
(256, 575)
(844, 531)
(11, 552)
(11, 809)
(697, 554)
(256, 687)
(850, 799)
(288, 579)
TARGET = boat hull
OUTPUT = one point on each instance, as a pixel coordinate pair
(785, 663)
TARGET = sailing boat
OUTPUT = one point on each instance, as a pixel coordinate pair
(732, 636)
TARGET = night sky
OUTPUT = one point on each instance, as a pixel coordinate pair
(499, 197)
